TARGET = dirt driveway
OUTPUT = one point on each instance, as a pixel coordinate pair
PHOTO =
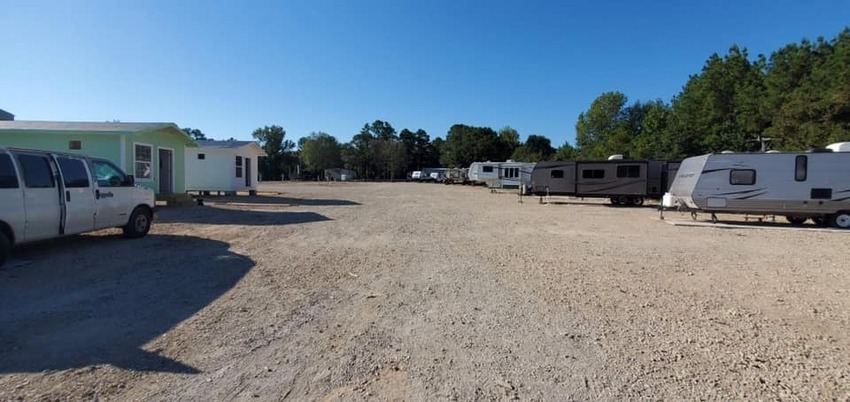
(405, 291)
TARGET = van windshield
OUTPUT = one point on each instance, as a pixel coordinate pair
(107, 174)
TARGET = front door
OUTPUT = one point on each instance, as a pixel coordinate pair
(166, 166)
(78, 193)
(248, 172)
(41, 196)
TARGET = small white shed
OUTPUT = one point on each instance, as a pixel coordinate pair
(227, 166)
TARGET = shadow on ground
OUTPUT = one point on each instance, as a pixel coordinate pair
(212, 215)
(97, 299)
(276, 200)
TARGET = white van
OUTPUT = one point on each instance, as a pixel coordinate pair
(47, 194)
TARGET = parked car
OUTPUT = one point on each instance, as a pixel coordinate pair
(44, 195)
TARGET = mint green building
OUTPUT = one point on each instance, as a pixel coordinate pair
(153, 152)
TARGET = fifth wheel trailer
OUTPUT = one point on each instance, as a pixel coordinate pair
(798, 185)
(624, 182)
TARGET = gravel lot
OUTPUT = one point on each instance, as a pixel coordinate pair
(405, 291)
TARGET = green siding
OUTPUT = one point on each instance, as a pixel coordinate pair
(108, 145)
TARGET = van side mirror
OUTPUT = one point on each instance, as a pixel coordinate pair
(129, 180)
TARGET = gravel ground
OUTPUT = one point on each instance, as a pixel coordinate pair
(405, 291)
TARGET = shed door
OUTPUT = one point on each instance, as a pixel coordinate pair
(247, 172)
(166, 167)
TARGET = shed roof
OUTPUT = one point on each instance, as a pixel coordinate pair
(48, 127)
(232, 145)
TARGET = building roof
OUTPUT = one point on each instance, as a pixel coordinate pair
(78, 126)
(231, 145)
(106, 128)
(4, 115)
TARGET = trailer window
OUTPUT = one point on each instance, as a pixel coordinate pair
(742, 177)
(487, 169)
(8, 177)
(510, 172)
(801, 165)
(628, 171)
(593, 174)
(557, 174)
(37, 171)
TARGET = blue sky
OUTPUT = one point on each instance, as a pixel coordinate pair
(228, 67)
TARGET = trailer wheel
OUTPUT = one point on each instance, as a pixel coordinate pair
(795, 220)
(637, 201)
(615, 201)
(820, 220)
(841, 220)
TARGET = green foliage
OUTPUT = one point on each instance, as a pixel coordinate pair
(466, 144)
(320, 151)
(566, 153)
(536, 148)
(271, 140)
(195, 133)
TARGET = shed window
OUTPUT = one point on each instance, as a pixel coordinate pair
(238, 166)
(75, 144)
(593, 174)
(8, 177)
(557, 174)
(37, 171)
(202, 156)
(487, 169)
(628, 171)
(801, 165)
(143, 157)
(742, 177)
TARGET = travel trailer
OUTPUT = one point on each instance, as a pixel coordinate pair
(508, 174)
(799, 185)
(624, 182)
(456, 176)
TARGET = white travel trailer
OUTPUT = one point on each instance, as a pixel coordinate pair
(812, 185)
(508, 174)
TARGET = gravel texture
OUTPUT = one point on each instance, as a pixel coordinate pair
(406, 291)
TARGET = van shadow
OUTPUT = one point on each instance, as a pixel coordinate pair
(98, 299)
(276, 200)
(230, 216)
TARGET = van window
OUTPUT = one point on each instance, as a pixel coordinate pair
(487, 169)
(106, 174)
(628, 171)
(37, 171)
(8, 177)
(74, 173)
(557, 174)
(742, 177)
(593, 174)
(801, 167)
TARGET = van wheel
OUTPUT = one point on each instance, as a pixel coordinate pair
(5, 248)
(139, 223)
(795, 220)
(841, 220)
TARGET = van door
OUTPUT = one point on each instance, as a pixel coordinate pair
(41, 196)
(78, 194)
(11, 196)
(113, 200)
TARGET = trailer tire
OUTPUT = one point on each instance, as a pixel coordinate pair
(795, 220)
(615, 201)
(820, 220)
(5, 248)
(841, 220)
(637, 201)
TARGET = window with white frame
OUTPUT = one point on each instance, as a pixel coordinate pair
(143, 160)
(238, 166)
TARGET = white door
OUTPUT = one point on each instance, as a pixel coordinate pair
(78, 192)
(41, 196)
(113, 197)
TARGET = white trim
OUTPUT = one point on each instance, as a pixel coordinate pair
(173, 168)
(153, 160)
(123, 139)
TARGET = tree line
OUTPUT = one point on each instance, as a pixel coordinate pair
(795, 99)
